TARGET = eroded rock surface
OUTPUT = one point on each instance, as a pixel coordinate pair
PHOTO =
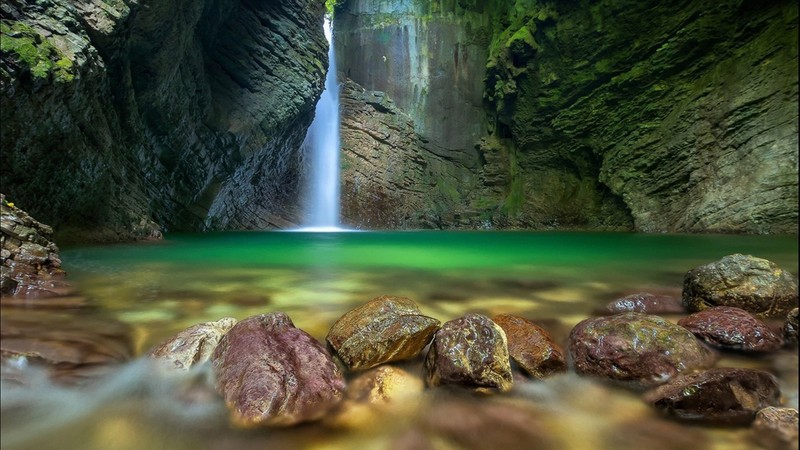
(721, 395)
(637, 348)
(471, 351)
(790, 327)
(271, 373)
(384, 329)
(754, 284)
(30, 265)
(193, 345)
(732, 328)
(531, 346)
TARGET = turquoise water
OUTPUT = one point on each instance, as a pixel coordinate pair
(156, 289)
(315, 277)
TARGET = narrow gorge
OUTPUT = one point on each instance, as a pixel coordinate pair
(125, 119)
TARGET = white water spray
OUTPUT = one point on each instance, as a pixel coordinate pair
(323, 144)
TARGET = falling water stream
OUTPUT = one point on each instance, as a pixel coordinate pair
(322, 144)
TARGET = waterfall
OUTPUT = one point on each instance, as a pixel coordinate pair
(322, 144)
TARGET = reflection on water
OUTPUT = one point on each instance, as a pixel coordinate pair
(556, 279)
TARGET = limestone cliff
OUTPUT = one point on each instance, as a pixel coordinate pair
(593, 114)
(119, 116)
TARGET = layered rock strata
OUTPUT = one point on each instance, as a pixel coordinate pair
(120, 118)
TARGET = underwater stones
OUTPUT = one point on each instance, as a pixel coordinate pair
(383, 384)
(790, 328)
(271, 373)
(647, 303)
(776, 428)
(531, 346)
(382, 330)
(471, 351)
(720, 395)
(732, 328)
(193, 345)
(633, 347)
(753, 284)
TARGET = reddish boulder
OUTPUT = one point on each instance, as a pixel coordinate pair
(732, 328)
(271, 373)
(722, 395)
(531, 346)
(636, 348)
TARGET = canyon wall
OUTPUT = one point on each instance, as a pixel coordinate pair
(678, 117)
(122, 117)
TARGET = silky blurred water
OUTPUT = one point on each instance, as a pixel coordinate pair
(558, 279)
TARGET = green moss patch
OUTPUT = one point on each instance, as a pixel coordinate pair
(35, 52)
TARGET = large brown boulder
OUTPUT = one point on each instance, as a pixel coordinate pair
(271, 373)
(471, 351)
(531, 346)
(732, 328)
(756, 285)
(193, 345)
(383, 330)
(721, 395)
(636, 348)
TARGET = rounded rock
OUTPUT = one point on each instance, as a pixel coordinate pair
(636, 348)
(383, 330)
(756, 285)
(776, 428)
(531, 346)
(471, 351)
(732, 328)
(722, 395)
(271, 373)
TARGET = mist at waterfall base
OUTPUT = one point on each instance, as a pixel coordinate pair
(322, 146)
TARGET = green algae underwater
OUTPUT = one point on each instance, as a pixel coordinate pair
(556, 278)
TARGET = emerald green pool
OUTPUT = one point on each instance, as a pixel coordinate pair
(556, 278)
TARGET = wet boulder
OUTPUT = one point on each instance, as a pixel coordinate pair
(721, 395)
(471, 351)
(531, 347)
(776, 428)
(790, 328)
(193, 345)
(271, 373)
(383, 330)
(743, 281)
(636, 348)
(647, 303)
(730, 328)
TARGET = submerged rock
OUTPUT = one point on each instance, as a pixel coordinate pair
(69, 347)
(271, 373)
(531, 346)
(776, 428)
(193, 345)
(383, 330)
(756, 285)
(790, 328)
(471, 351)
(639, 348)
(647, 303)
(30, 266)
(732, 328)
(721, 395)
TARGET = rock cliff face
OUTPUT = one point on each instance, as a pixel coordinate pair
(120, 117)
(602, 115)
